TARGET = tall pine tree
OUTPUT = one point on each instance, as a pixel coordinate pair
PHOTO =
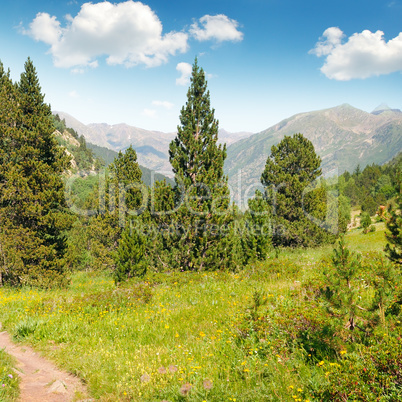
(31, 189)
(290, 170)
(201, 192)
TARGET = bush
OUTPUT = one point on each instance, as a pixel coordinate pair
(372, 374)
(365, 220)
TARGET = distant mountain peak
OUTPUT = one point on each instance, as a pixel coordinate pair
(384, 108)
(344, 106)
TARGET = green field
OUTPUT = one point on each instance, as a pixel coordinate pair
(259, 334)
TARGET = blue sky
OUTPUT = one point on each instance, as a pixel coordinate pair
(265, 60)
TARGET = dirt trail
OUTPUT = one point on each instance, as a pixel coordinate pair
(41, 381)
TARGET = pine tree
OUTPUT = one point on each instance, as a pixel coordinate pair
(344, 291)
(341, 291)
(201, 192)
(393, 248)
(126, 179)
(158, 226)
(31, 188)
(258, 233)
(130, 255)
(120, 196)
(290, 171)
(37, 123)
(9, 114)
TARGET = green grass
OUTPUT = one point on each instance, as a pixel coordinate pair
(9, 381)
(227, 336)
(374, 241)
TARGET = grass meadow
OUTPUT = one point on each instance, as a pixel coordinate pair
(259, 334)
(8, 378)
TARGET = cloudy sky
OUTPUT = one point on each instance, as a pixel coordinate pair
(127, 61)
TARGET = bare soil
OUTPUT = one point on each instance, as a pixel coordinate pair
(41, 380)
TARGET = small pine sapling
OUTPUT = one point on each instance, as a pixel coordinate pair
(341, 292)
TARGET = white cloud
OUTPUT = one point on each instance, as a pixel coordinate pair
(363, 55)
(127, 33)
(165, 104)
(44, 28)
(217, 27)
(149, 113)
(185, 70)
(331, 38)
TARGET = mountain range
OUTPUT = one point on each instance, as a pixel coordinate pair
(152, 147)
(343, 136)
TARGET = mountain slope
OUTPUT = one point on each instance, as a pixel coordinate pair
(87, 157)
(343, 136)
(148, 176)
(152, 147)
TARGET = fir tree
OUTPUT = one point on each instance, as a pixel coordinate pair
(290, 171)
(341, 292)
(120, 196)
(130, 255)
(37, 123)
(158, 225)
(258, 232)
(126, 179)
(201, 192)
(31, 188)
(9, 115)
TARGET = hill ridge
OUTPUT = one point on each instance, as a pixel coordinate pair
(344, 136)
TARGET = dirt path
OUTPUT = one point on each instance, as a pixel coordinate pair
(41, 381)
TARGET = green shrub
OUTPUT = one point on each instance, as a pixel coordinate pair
(373, 373)
(365, 221)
